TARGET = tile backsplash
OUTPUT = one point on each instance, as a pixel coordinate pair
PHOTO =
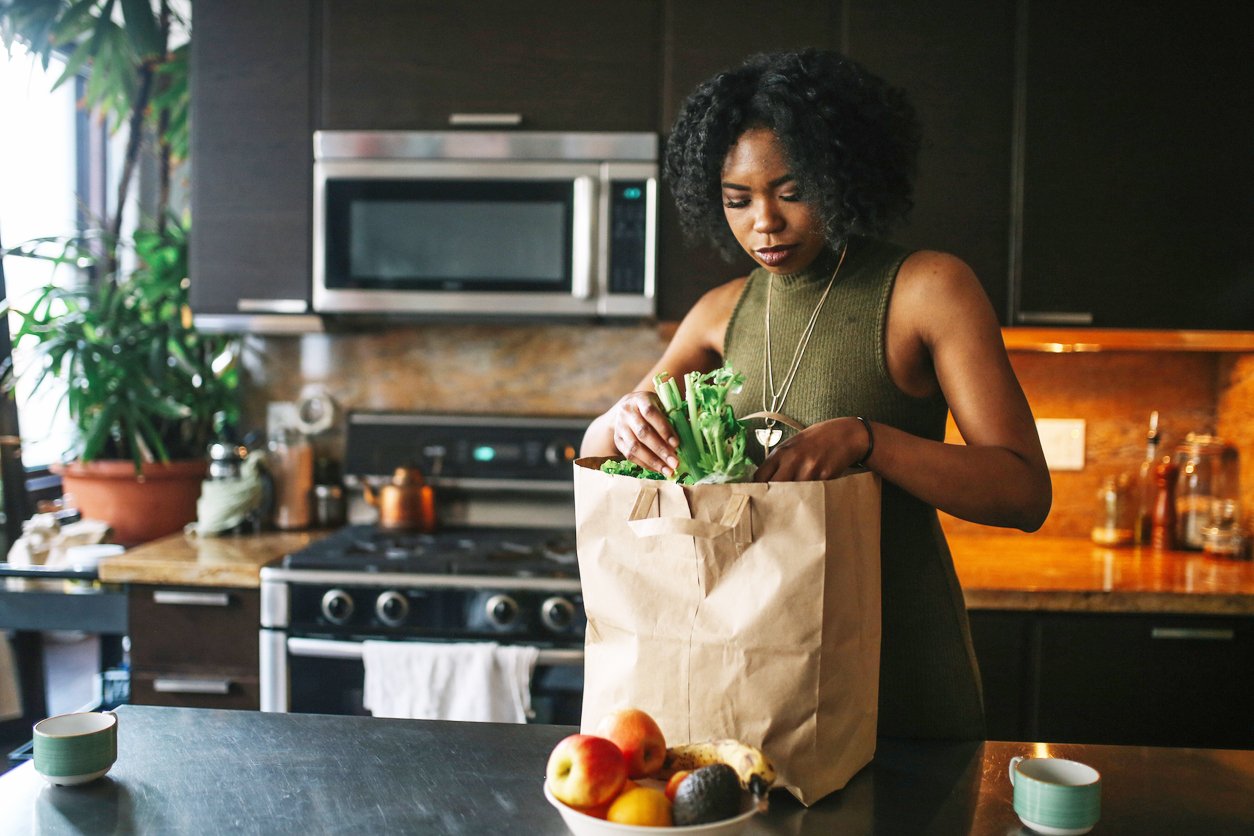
(581, 369)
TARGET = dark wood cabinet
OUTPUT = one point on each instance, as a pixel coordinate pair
(194, 646)
(252, 158)
(1089, 161)
(563, 65)
(1133, 679)
(1137, 176)
(955, 60)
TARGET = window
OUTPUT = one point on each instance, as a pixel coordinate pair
(54, 181)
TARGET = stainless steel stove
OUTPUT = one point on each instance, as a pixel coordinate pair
(500, 566)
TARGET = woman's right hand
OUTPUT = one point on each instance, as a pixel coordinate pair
(642, 432)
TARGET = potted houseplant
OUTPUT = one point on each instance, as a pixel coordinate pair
(145, 390)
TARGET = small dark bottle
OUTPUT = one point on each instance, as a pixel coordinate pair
(1163, 520)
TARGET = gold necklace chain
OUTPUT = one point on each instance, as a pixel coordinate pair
(770, 436)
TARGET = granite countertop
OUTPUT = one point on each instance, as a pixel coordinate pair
(1032, 572)
(997, 571)
(232, 561)
(183, 770)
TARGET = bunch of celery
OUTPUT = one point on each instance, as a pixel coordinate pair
(711, 440)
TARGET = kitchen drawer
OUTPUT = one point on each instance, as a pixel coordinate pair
(1146, 680)
(178, 629)
(199, 690)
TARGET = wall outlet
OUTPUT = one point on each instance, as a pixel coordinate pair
(1062, 439)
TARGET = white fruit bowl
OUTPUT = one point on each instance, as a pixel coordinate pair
(581, 824)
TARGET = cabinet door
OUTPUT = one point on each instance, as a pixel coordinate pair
(703, 37)
(252, 155)
(1002, 642)
(955, 60)
(1137, 171)
(1144, 680)
(560, 65)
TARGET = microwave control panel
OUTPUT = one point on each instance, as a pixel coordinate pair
(628, 212)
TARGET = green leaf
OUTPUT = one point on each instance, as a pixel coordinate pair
(142, 28)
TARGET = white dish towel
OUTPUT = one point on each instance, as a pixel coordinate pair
(478, 681)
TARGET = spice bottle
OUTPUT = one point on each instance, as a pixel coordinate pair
(1145, 488)
(1113, 524)
(292, 467)
(1163, 520)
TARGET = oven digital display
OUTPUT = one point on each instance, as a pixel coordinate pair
(496, 453)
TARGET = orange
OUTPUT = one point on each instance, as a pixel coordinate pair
(672, 786)
(641, 806)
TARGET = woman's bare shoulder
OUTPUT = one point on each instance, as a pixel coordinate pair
(938, 289)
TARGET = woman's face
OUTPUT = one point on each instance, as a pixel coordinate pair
(775, 226)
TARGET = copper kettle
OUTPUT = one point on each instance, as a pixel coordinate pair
(406, 503)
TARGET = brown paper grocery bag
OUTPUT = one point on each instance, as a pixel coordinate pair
(747, 610)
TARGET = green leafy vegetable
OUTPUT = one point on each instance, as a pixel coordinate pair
(626, 468)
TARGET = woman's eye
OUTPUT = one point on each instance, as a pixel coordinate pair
(791, 197)
(731, 203)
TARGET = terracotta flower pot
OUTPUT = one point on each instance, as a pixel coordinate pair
(139, 509)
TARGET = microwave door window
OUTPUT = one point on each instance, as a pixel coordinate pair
(451, 236)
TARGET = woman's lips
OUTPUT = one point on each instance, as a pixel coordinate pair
(771, 256)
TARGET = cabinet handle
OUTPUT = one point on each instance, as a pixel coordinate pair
(485, 120)
(191, 686)
(1054, 318)
(283, 306)
(1194, 633)
(191, 599)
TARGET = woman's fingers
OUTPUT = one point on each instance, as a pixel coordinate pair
(643, 434)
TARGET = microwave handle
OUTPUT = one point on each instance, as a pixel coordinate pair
(583, 261)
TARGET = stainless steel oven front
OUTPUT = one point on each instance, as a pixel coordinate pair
(314, 665)
(485, 223)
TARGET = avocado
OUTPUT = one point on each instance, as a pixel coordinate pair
(711, 793)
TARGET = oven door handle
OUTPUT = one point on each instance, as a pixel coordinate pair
(335, 649)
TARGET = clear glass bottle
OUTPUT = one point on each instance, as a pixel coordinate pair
(291, 459)
(1145, 488)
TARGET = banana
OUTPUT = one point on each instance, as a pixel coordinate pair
(753, 767)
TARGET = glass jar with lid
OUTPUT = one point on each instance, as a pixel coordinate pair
(1208, 488)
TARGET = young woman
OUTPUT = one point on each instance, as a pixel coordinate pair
(802, 159)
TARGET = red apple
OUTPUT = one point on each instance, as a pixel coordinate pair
(585, 770)
(639, 738)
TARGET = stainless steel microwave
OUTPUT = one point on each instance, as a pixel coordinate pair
(485, 223)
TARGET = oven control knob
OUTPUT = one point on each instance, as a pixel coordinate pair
(501, 610)
(557, 614)
(337, 606)
(560, 453)
(391, 607)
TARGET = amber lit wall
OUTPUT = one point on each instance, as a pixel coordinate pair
(580, 370)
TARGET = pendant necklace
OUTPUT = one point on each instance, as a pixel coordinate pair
(770, 436)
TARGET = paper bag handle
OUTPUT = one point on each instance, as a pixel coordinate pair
(736, 518)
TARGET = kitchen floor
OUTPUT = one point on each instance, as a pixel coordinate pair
(71, 662)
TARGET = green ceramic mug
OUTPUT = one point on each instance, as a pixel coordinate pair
(1056, 797)
(76, 748)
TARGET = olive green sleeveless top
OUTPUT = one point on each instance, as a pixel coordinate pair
(929, 682)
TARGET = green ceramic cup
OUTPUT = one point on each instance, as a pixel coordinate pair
(76, 748)
(1056, 797)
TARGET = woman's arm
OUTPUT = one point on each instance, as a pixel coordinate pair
(636, 427)
(942, 333)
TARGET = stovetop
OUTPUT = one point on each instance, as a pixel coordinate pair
(497, 552)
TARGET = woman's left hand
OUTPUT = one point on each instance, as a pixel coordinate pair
(821, 451)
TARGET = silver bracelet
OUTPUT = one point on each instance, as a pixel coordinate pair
(870, 443)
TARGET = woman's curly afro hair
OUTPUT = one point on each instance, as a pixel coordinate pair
(851, 139)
